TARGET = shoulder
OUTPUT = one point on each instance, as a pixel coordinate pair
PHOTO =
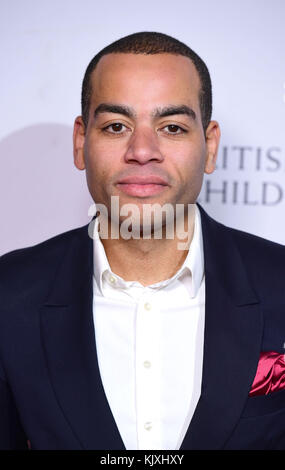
(259, 250)
(254, 250)
(264, 263)
(263, 260)
(25, 272)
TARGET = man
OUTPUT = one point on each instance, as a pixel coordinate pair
(111, 341)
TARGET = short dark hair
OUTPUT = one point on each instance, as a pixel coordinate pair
(148, 42)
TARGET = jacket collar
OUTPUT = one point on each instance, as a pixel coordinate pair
(69, 343)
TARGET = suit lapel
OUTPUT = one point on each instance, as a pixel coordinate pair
(232, 341)
(69, 344)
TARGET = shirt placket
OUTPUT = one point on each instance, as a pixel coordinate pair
(147, 364)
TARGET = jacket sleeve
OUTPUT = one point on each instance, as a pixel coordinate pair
(12, 435)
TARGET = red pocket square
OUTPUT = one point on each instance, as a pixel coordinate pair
(270, 375)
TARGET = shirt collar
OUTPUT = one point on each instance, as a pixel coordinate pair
(190, 274)
(194, 262)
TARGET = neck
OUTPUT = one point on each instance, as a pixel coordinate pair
(149, 261)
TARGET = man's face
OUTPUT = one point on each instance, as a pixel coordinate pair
(145, 141)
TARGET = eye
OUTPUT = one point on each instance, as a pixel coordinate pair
(115, 128)
(174, 129)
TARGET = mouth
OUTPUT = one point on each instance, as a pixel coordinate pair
(142, 186)
(141, 190)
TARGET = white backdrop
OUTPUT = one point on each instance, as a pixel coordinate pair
(45, 48)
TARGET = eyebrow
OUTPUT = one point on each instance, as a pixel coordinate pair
(170, 110)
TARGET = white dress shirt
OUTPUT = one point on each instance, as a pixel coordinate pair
(150, 348)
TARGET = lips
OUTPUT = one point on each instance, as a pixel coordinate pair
(142, 186)
(152, 179)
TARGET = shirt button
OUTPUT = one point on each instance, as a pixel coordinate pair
(112, 279)
(147, 364)
(148, 426)
(147, 306)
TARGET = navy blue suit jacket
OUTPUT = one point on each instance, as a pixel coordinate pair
(50, 387)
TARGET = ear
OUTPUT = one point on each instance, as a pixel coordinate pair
(78, 143)
(213, 134)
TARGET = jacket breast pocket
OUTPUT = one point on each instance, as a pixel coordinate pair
(261, 425)
(264, 404)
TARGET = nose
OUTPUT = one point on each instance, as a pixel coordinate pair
(143, 147)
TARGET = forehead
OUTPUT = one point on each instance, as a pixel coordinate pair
(145, 79)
